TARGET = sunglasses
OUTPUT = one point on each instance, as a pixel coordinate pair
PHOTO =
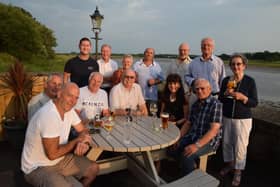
(129, 77)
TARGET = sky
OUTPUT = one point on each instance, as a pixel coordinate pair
(130, 26)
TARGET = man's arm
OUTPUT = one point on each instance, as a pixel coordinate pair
(212, 132)
(66, 77)
(55, 150)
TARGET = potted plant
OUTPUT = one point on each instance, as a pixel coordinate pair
(19, 83)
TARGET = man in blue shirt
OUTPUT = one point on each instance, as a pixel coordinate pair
(202, 133)
(149, 75)
(207, 66)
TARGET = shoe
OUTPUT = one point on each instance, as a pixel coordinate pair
(226, 170)
(236, 179)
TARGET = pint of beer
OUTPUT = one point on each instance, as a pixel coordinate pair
(164, 120)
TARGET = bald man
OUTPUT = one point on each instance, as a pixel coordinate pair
(48, 158)
(202, 133)
(181, 64)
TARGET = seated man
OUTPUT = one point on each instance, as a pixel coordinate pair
(202, 133)
(51, 87)
(127, 94)
(92, 100)
(47, 158)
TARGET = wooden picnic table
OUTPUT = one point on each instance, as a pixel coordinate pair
(144, 140)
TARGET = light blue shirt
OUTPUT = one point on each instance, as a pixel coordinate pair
(144, 73)
(212, 70)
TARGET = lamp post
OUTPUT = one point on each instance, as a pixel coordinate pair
(96, 20)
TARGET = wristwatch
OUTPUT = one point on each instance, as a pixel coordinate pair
(197, 144)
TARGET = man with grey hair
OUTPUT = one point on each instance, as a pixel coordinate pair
(51, 87)
(128, 94)
(92, 99)
(181, 65)
(207, 66)
(107, 66)
(202, 133)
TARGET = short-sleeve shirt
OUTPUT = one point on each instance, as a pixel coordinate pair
(46, 123)
(121, 98)
(202, 115)
(80, 70)
(91, 103)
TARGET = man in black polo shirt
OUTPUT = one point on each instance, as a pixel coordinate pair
(79, 68)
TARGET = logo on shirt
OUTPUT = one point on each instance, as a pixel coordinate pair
(90, 68)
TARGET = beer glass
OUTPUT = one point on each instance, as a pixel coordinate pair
(164, 120)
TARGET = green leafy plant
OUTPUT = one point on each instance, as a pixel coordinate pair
(20, 83)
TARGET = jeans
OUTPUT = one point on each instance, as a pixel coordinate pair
(188, 163)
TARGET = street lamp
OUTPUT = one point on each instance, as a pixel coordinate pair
(96, 20)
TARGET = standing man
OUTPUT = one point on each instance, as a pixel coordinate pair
(92, 100)
(51, 87)
(149, 75)
(127, 94)
(202, 133)
(79, 68)
(48, 158)
(107, 66)
(207, 66)
(181, 65)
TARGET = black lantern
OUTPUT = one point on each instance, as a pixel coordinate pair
(96, 20)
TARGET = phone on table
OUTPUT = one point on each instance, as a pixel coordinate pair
(94, 131)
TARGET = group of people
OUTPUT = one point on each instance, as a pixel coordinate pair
(196, 95)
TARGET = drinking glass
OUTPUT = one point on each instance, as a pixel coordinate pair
(231, 85)
(153, 111)
(108, 125)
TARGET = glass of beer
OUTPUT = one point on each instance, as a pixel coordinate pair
(97, 121)
(164, 120)
(108, 125)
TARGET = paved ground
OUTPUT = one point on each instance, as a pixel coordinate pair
(257, 173)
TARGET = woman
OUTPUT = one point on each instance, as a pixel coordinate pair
(127, 62)
(238, 95)
(174, 100)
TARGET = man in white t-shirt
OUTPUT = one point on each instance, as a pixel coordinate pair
(92, 99)
(47, 158)
(107, 66)
(51, 87)
(127, 94)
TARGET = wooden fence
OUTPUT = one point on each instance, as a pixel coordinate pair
(6, 109)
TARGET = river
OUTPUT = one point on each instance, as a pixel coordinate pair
(267, 79)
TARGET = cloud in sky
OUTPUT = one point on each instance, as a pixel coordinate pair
(132, 25)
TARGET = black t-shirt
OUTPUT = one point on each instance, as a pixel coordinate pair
(80, 70)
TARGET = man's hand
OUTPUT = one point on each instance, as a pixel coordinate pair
(151, 82)
(190, 149)
(81, 148)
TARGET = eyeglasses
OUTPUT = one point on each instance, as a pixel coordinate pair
(129, 77)
(200, 88)
(236, 64)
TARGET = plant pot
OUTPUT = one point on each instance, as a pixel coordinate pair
(14, 133)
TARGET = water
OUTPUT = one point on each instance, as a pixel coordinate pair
(267, 79)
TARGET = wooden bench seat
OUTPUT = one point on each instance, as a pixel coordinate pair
(197, 178)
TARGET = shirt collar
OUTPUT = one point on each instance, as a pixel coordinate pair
(203, 60)
(186, 61)
(152, 64)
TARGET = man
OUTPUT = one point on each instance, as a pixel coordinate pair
(149, 75)
(107, 66)
(47, 158)
(202, 133)
(181, 65)
(127, 94)
(207, 66)
(51, 87)
(92, 100)
(79, 68)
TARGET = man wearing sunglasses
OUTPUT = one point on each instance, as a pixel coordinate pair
(127, 94)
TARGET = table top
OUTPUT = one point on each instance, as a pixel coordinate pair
(144, 137)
